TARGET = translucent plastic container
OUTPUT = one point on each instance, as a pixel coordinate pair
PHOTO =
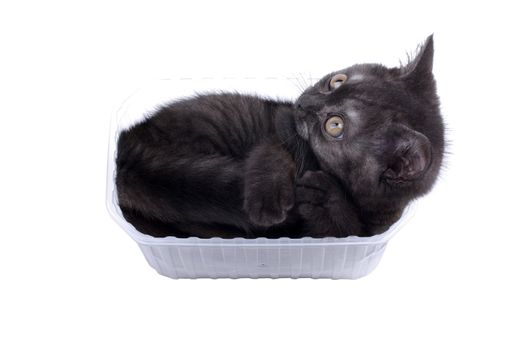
(349, 258)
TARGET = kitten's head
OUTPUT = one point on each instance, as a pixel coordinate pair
(378, 130)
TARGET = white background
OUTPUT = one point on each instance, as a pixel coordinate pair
(72, 279)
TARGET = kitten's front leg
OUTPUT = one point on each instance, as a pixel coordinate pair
(324, 207)
(269, 184)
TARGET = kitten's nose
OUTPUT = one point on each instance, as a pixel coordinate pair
(307, 104)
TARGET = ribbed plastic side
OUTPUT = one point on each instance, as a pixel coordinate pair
(284, 260)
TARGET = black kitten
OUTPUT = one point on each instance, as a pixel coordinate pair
(344, 159)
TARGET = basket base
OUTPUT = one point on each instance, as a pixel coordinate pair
(333, 262)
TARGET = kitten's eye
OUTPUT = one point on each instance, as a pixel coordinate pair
(337, 80)
(334, 126)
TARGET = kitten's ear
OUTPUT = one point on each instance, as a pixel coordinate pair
(418, 72)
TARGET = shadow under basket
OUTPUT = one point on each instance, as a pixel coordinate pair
(335, 258)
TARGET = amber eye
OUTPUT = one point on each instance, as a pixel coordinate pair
(334, 126)
(337, 80)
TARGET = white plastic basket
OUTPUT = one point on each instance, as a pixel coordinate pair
(350, 257)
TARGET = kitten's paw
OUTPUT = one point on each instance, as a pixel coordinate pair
(322, 204)
(311, 212)
(312, 193)
(316, 194)
(315, 187)
(267, 205)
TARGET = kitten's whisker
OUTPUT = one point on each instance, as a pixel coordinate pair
(299, 80)
(304, 81)
(300, 90)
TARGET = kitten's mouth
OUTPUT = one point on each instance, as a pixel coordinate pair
(300, 110)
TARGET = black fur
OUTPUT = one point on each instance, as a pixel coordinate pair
(231, 165)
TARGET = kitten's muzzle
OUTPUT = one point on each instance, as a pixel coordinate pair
(308, 104)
